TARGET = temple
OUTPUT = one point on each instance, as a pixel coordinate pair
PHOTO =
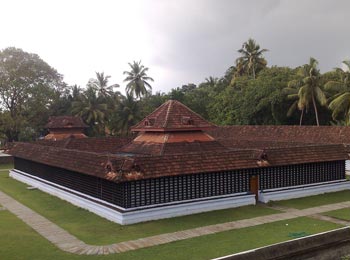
(180, 164)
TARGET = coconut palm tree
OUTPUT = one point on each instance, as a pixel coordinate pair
(292, 91)
(137, 80)
(292, 94)
(100, 84)
(340, 100)
(90, 108)
(311, 92)
(251, 60)
(211, 81)
(127, 115)
(306, 90)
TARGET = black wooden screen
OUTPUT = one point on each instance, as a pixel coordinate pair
(300, 174)
(184, 187)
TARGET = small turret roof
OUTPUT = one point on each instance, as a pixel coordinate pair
(65, 122)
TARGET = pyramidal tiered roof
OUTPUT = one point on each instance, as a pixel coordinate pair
(172, 128)
(63, 127)
(172, 116)
(65, 122)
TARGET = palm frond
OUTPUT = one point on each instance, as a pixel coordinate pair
(292, 108)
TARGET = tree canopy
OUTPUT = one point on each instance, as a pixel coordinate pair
(248, 92)
(138, 82)
(28, 86)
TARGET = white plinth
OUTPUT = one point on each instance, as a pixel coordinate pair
(303, 190)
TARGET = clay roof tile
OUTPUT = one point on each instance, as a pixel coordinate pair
(172, 116)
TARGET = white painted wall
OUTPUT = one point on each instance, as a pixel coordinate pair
(303, 190)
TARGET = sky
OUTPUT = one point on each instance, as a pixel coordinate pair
(180, 41)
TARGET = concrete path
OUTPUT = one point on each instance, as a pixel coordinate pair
(69, 243)
(331, 219)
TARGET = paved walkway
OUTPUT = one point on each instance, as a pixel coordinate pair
(69, 243)
(331, 219)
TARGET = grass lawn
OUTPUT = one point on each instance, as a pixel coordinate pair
(343, 214)
(18, 241)
(6, 166)
(93, 229)
(314, 201)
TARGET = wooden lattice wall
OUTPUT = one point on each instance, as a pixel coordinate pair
(185, 187)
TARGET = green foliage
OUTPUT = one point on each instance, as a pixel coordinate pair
(251, 60)
(340, 94)
(100, 84)
(92, 109)
(127, 114)
(247, 93)
(28, 86)
(258, 101)
(137, 79)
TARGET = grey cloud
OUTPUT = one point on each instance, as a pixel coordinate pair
(202, 38)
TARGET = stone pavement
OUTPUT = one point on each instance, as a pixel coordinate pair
(69, 243)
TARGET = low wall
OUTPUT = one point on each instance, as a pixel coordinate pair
(303, 190)
(328, 245)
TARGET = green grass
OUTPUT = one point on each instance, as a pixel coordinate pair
(93, 229)
(18, 241)
(314, 201)
(6, 166)
(343, 214)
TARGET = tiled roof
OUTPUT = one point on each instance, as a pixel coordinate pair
(258, 144)
(290, 134)
(63, 136)
(173, 148)
(124, 168)
(151, 167)
(172, 116)
(83, 162)
(165, 143)
(65, 122)
(92, 144)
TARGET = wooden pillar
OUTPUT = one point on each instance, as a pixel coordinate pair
(254, 186)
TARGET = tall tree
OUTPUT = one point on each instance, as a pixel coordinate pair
(292, 92)
(311, 92)
(340, 90)
(127, 115)
(137, 80)
(100, 84)
(251, 60)
(211, 81)
(26, 83)
(92, 110)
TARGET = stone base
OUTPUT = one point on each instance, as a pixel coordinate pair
(303, 190)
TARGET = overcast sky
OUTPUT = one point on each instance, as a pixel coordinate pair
(181, 41)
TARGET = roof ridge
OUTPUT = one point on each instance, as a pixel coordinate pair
(167, 113)
(166, 137)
